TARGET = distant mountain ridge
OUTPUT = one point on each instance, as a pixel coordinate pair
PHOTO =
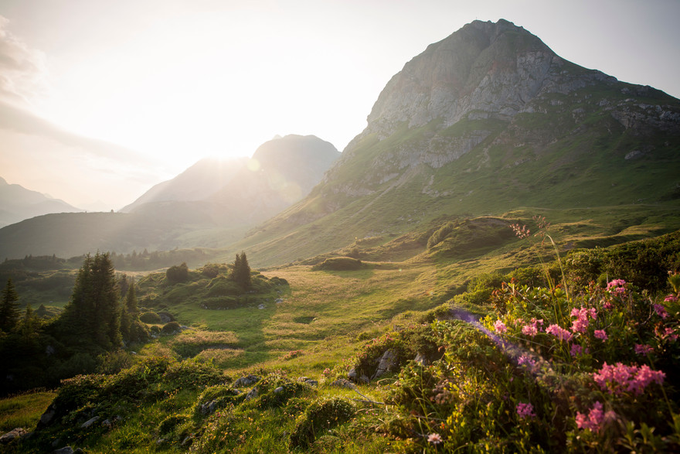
(486, 120)
(18, 203)
(211, 204)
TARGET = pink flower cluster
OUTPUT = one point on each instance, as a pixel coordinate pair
(620, 378)
(671, 299)
(500, 327)
(660, 311)
(667, 333)
(532, 328)
(596, 417)
(643, 349)
(525, 410)
(581, 323)
(559, 332)
(576, 350)
(617, 286)
(600, 334)
(528, 360)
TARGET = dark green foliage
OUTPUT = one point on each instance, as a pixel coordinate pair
(150, 318)
(319, 417)
(440, 234)
(644, 263)
(115, 361)
(93, 314)
(221, 286)
(9, 307)
(177, 273)
(171, 328)
(339, 264)
(241, 272)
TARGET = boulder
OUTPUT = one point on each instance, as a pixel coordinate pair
(12, 435)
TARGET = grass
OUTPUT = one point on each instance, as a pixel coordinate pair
(24, 410)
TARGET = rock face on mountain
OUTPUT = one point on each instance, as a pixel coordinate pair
(486, 120)
(18, 203)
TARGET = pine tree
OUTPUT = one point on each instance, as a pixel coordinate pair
(9, 307)
(94, 311)
(241, 273)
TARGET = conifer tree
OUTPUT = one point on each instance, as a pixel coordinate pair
(241, 273)
(9, 307)
(94, 311)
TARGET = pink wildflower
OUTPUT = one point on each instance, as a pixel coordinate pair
(500, 327)
(581, 323)
(671, 299)
(616, 283)
(528, 360)
(559, 332)
(595, 418)
(607, 305)
(643, 349)
(529, 330)
(434, 438)
(668, 333)
(600, 334)
(619, 378)
(660, 311)
(525, 410)
(576, 350)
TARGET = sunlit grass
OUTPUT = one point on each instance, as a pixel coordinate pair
(23, 410)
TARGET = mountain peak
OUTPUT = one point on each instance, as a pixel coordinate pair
(492, 68)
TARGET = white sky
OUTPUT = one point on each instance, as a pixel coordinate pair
(177, 80)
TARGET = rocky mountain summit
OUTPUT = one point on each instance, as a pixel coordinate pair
(487, 120)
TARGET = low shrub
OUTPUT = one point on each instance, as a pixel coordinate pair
(151, 318)
(339, 264)
(318, 418)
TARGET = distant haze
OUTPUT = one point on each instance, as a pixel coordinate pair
(118, 96)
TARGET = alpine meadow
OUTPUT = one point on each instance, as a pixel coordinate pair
(491, 265)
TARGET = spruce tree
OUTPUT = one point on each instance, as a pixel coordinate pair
(94, 312)
(241, 273)
(9, 307)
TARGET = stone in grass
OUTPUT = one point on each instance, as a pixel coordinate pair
(246, 381)
(13, 435)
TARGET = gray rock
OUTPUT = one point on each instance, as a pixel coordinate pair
(387, 362)
(311, 382)
(420, 358)
(279, 389)
(47, 417)
(64, 450)
(89, 422)
(353, 374)
(252, 394)
(246, 381)
(13, 435)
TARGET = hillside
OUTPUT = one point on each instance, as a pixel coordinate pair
(18, 203)
(212, 205)
(484, 121)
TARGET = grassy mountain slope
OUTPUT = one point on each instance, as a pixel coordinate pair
(523, 128)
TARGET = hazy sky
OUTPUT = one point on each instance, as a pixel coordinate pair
(171, 81)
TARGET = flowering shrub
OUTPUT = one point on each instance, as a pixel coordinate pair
(555, 372)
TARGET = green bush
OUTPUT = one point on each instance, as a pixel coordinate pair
(178, 273)
(339, 264)
(171, 328)
(151, 318)
(319, 417)
(221, 286)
